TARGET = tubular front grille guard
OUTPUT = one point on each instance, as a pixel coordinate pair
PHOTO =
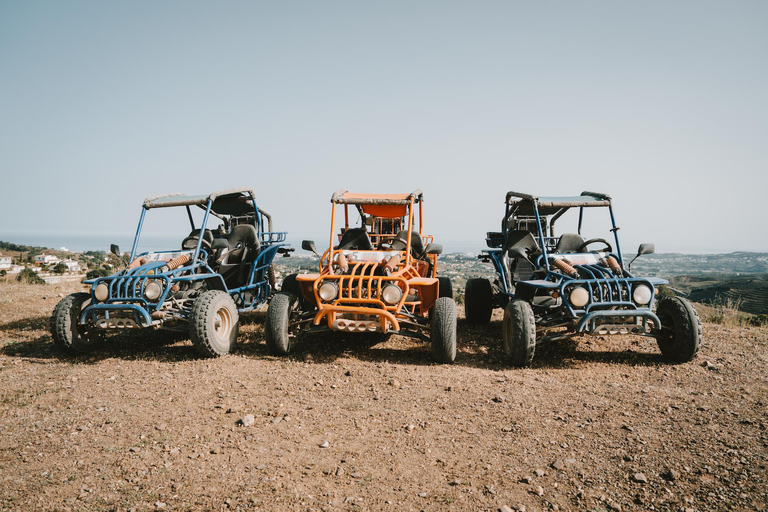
(130, 287)
(139, 314)
(591, 322)
(359, 285)
(608, 292)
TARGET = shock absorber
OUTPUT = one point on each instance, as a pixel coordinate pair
(564, 266)
(611, 263)
(175, 263)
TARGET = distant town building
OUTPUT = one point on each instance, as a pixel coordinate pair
(46, 259)
(72, 266)
(5, 263)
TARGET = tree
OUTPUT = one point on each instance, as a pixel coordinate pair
(60, 268)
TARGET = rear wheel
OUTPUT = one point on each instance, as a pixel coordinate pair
(519, 328)
(445, 287)
(277, 328)
(444, 330)
(214, 324)
(65, 330)
(478, 301)
(679, 338)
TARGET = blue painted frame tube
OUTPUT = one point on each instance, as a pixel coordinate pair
(616, 236)
(202, 228)
(541, 235)
(138, 233)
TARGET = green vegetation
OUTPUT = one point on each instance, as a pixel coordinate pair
(29, 276)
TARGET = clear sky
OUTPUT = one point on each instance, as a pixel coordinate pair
(663, 105)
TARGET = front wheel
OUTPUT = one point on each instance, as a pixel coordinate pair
(214, 324)
(65, 331)
(679, 338)
(277, 328)
(478, 301)
(444, 330)
(445, 287)
(519, 333)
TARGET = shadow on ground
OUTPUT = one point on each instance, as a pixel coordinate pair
(478, 346)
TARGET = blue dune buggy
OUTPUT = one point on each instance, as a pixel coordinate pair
(199, 288)
(554, 286)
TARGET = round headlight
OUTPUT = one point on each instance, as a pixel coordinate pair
(153, 290)
(579, 297)
(101, 292)
(391, 294)
(641, 294)
(328, 291)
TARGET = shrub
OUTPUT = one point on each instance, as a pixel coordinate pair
(29, 276)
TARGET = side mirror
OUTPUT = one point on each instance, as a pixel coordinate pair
(309, 245)
(646, 249)
(643, 249)
(434, 249)
(220, 243)
(115, 249)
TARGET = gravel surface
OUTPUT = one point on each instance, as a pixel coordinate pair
(356, 423)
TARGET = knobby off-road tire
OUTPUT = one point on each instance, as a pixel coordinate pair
(277, 327)
(214, 324)
(444, 330)
(64, 329)
(478, 301)
(445, 286)
(519, 329)
(679, 338)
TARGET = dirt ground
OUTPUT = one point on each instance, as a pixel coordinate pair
(351, 424)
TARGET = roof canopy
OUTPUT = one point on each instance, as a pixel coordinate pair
(549, 205)
(344, 197)
(235, 201)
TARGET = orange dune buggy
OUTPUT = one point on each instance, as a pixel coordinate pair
(379, 277)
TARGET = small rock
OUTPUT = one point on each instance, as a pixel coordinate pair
(498, 399)
(504, 508)
(671, 474)
(350, 499)
(159, 505)
(348, 373)
(538, 490)
(558, 465)
(325, 444)
(394, 383)
(709, 365)
(628, 458)
(410, 427)
(455, 482)
(134, 449)
(640, 478)
(248, 420)
(526, 479)
(339, 471)
(539, 472)
(423, 495)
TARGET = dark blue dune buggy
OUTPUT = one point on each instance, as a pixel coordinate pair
(199, 288)
(554, 286)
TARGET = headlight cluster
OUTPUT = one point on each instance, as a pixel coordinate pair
(579, 297)
(641, 294)
(391, 294)
(328, 291)
(153, 290)
(101, 292)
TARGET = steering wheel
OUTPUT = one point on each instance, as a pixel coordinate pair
(191, 242)
(591, 241)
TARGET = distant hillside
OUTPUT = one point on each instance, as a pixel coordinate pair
(666, 265)
(748, 293)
